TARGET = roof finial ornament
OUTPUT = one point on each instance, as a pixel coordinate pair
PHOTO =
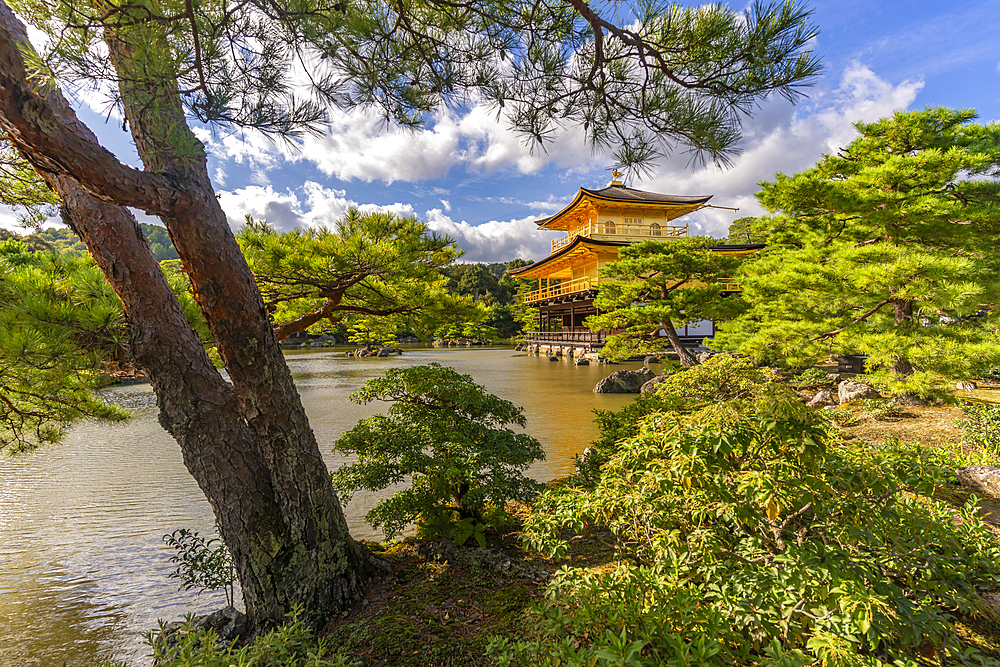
(616, 178)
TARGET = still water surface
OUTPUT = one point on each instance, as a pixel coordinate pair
(83, 569)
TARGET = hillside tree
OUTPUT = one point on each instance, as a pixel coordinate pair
(641, 85)
(887, 248)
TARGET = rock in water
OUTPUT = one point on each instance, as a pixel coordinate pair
(984, 479)
(823, 397)
(852, 391)
(582, 361)
(650, 360)
(966, 386)
(650, 385)
(624, 382)
(553, 358)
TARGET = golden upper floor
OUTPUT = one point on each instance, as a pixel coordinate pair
(620, 213)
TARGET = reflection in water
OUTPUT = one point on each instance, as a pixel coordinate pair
(83, 570)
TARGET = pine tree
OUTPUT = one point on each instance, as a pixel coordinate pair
(657, 284)
(888, 249)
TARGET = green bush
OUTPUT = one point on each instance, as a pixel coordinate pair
(451, 440)
(294, 644)
(981, 426)
(746, 535)
(721, 378)
(811, 378)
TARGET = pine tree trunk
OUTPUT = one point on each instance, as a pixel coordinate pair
(249, 446)
(686, 358)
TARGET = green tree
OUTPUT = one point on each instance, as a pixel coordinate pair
(638, 84)
(887, 248)
(368, 265)
(59, 320)
(449, 438)
(659, 283)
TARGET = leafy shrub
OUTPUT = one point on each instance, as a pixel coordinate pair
(720, 378)
(205, 565)
(449, 438)
(981, 426)
(811, 378)
(756, 539)
(293, 644)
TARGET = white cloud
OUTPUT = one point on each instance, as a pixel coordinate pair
(493, 241)
(782, 138)
(446, 204)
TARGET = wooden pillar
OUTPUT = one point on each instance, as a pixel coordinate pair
(572, 317)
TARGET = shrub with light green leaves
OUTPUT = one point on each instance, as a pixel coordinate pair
(451, 440)
(981, 426)
(747, 535)
(293, 644)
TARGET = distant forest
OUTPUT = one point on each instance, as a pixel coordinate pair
(65, 240)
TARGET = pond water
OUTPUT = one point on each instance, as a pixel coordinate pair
(83, 569)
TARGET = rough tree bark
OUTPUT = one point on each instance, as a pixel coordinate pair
(250, 445)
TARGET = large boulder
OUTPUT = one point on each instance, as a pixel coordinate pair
(650, 385)
(624, 382)
(848, 391)
(965, 386)
(983, 479)
(582, 361)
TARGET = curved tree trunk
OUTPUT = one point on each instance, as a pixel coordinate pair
(686, 358)
(250, 445)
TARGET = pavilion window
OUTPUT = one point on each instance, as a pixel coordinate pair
(654, 229)
(609, 227)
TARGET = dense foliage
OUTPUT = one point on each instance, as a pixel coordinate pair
(293, 644)
(657, 284)
(981, 427)
(449, 439)
(747, 534)
(369, 265)
(59, 320)
(887, 248)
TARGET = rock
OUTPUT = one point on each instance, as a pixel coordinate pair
(833, 377)
(519, 347)
(965, 386)
(650, 385)
(553, 358)
(229, 624)
(984, 479)
(624, 382)
(385, 352)
(650, 360)
(822, 398)
(588, 453)
(582, 361)
(848, 391)
(702, 357)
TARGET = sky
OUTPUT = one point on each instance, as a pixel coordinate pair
(465, 174)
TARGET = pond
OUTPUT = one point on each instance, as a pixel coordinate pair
(83, 569)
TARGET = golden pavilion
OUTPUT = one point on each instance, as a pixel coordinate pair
(597, 224)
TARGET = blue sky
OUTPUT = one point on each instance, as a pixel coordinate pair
(468, 176)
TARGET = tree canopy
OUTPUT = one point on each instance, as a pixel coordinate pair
(58, 320)
(367, 265)
(657, 284)
(887, 248)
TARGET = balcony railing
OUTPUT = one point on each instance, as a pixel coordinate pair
(564, 287)
(576, 335)
(652, 231)
(590, 283)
